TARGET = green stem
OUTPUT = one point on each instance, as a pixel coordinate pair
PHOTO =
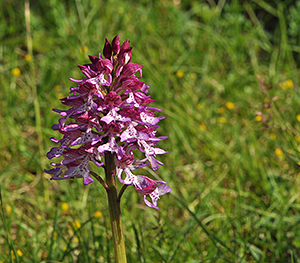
(100, 180)
(122, 191)
(114, 209)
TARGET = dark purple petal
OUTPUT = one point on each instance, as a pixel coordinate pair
(55, 171)
(85, 70)
(130, 69)
(125, 45)
(115, 45)
(107, 50)
(93, 59)
(130, 83)
(55, 152)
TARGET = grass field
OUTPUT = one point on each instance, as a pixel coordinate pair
(228, 84)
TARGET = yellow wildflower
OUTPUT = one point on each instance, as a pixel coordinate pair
(258, 118)
(16, 72)
(222, 120)
(19, 253)
(297, 138)
(76, 240)
(288, 84)
(98, 214)
(278, 152)
(298, 117)
(266, 100)
(229, 105)
(76, 224)
(179, 74)
(8, 209)
(38, 217)
(27, 57)
(202, 127)
(64, 206)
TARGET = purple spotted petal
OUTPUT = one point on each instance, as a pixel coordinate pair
(55, 152)
(114, 116)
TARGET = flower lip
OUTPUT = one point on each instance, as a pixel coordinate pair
(146, 186)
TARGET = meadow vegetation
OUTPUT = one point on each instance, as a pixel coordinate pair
(226, 76)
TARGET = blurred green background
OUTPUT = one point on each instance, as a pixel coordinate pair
(226, 76)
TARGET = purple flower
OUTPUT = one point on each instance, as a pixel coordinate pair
(146, 186)
(109, 113)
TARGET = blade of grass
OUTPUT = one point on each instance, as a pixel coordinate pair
(267, 7)
(214, 238)
(11, 245)
(37, 112)
(50, 255)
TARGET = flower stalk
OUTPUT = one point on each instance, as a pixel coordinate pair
(114, 210)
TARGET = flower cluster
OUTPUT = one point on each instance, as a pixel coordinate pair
(109, 113)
